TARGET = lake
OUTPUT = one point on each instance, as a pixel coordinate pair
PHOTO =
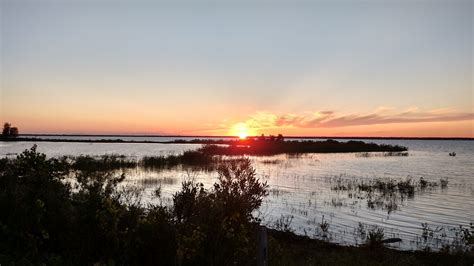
(303, 189)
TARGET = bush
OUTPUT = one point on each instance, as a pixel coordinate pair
(216, 227)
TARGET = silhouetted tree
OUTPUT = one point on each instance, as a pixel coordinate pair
(14, 132)
(9, 131)
(280, 137)
(6, 129)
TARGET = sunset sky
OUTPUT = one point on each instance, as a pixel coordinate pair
(302, 68)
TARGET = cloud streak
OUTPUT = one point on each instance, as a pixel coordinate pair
(331, 119)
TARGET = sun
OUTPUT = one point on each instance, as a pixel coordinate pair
(241, 130)
(243, 135)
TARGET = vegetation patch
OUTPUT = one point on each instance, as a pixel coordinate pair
(383, 193)
(269, 147)
(46, 220)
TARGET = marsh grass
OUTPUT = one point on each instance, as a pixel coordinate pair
(188, 160)
(284, 223)
(100, 163)
(271, 161)
(382, 154)
(276, 192)
(268, 147)
(453, 239)
(382, 193)
(154, 181)
(375, 236)
(323, 228)
(443, 182)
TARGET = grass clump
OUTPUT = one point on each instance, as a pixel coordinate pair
(375, 237)
(284, 223)
(187, 158)
(324, 227)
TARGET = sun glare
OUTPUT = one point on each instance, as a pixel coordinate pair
(243, 135)
(240, 130)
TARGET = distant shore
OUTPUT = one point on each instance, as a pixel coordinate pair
(36, 137)
(87, 140)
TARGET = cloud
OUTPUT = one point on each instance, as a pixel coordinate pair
(331, 119)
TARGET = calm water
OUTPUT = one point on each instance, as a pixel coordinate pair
(301, 187)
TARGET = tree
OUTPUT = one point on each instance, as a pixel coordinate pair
(9, 131)
(280, 137)
(14, 132)
(6, 129)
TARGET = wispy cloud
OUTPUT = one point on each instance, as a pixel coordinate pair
(332, 119)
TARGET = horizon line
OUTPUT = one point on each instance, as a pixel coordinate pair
(227, 136)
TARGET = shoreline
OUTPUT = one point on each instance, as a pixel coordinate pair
(287, 248)
(225, 140)
(236, 137)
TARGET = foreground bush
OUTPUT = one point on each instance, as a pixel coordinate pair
(50, 213)
(217, 227)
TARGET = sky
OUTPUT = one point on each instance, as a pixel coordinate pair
(300, 68)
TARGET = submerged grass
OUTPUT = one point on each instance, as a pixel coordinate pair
(383, 193)
(382, 154)
(99, 163)
(155, 182)
(187, 158)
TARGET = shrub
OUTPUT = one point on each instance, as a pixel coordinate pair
(375, 237)
(216, 227)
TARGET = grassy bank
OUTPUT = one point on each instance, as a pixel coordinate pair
(289, 249)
